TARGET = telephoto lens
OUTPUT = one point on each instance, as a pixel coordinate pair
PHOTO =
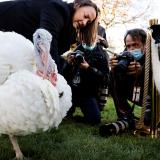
(115, 128)
(103, 95)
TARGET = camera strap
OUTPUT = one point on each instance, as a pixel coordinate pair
(136, 90)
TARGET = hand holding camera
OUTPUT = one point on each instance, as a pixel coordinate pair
(113, 62)
(70, 59)
(134, 68)
(76, 58)
(125, 63)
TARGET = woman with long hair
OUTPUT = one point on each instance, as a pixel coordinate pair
(61, 19)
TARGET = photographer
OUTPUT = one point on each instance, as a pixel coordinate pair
(127, 76)
(86, 71)
(101, 37)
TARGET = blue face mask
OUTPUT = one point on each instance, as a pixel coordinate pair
(137, 54)
(88, 47)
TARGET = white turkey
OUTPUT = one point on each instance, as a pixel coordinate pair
(29, 103)
(64, 90)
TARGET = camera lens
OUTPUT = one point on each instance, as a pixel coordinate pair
(113, 128)
(79, 58)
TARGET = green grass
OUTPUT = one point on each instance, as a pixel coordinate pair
(76, 141)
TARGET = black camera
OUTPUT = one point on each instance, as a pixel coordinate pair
(115, 128)
(78, 55)
(124, 60)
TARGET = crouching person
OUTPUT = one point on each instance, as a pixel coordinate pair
(127, 83)
(86, 70)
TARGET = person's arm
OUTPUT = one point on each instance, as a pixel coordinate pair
(99, 71)
(52, 19)
(103, 42)
(101, 37)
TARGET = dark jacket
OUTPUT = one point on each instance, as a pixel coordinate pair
(25, 16)
(94, 76)
(102, 33)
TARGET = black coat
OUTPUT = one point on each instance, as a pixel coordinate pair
(102, 33)
(94, 76)
(25, 16)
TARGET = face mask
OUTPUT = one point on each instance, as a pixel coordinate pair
(88, 47)
(137, 54)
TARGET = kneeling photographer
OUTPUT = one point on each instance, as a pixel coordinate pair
(127, 77)
(86, 70)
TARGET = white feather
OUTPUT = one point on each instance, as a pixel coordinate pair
(28, 104)
(16, 53)
(63, 88)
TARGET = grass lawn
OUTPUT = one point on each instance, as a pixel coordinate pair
(76, 141)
